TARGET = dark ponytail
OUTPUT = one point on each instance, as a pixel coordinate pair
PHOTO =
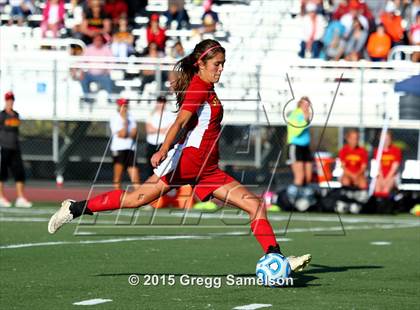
(187, 66)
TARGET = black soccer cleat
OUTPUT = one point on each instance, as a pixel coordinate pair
(274, 249)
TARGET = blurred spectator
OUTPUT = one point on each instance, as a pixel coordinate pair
(20, 10)
(76, 17)
(319, 6)
(379, 44)
(354, 13)
(157, 125)
(393, 23)
(148, 76)
(10, 155)
(376, 7)
(178, 50)
(177, 17)
(313, 30)
(414, 37)
(356, 42)
(3, 4)
(342, 9)
(97, 75)
(95, 21)
(209, 19)
(123, 144)
(156, 34)
(122, 40)
(389, 163)
(53, 17)
(354, 160)
(334, 40)
(407, 9)
(116, 9)
(410, 12)
(364, 10)
(136, 8)
(346, 6)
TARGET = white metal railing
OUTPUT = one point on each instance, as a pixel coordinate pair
(44, 85)
(403, 52)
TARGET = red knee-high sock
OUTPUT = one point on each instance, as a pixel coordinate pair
(264, 233)
(107, 201)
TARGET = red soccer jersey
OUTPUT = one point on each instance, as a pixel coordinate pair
(204, 126)
(389, 156)
(353, 159)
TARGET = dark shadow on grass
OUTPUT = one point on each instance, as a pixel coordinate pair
(316, 268)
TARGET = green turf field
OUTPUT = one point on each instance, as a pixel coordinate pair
(42, 271)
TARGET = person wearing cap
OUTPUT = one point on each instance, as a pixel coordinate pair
(156, 34)
(123, 144)
(355, 12)
(392, 21)
(10, 157)
(157, 125)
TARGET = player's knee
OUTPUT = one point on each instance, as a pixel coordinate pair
(257, 209)
(131, 200)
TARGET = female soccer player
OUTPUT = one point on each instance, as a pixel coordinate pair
(194, 159)
(390, 162)
(354, 159)
(299, 139)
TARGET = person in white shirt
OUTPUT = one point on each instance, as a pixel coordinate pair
(313, 28)
(123, 144)
(157, 125)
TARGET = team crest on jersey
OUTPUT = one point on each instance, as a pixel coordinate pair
(215, 101)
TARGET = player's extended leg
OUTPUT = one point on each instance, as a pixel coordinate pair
(146, 193)
(237, 195)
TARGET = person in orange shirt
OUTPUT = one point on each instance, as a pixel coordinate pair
(392, 23)
(379, 44)
(354, 159)
(390, 162)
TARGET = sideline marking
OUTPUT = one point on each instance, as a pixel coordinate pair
(380, 243)
(252, 306)
(91, 302)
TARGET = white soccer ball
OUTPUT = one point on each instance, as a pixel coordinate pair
(273, 269)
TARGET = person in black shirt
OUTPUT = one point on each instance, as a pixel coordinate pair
(10, 156)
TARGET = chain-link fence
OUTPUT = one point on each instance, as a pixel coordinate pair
(84, 148)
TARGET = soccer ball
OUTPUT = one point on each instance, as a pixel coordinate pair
(273, 269)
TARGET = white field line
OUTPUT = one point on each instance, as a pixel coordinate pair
(100, 241)
(252, 306)
(228, 215)
(91, 302)
(44, 219)
(187, 237)
(380, 243)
